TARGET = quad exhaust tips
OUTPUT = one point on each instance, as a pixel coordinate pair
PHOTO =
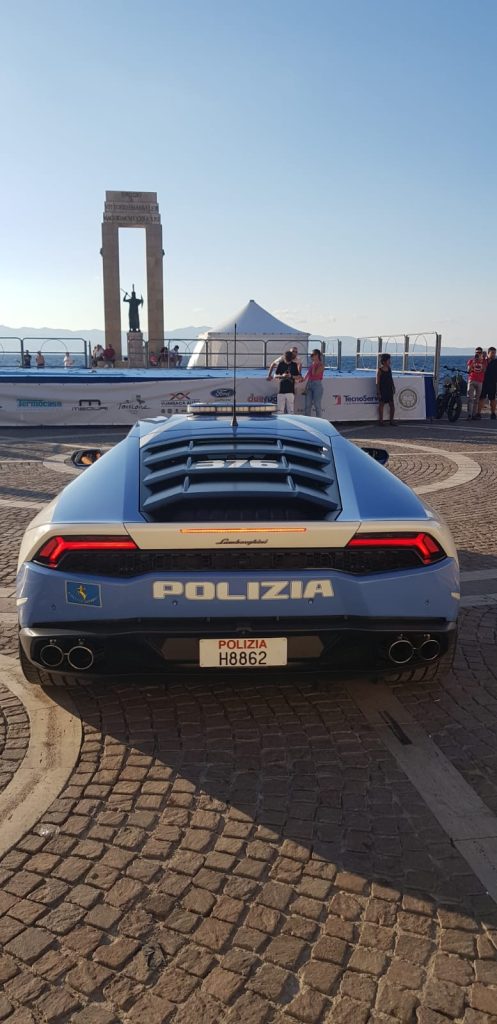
(80, 657)
(429, 649)
(402, 651)
(51, 655)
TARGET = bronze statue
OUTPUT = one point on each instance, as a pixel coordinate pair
(134, 303)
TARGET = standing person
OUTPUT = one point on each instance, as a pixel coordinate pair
(314, 383)
(476, 373)
(385, 388)
(68, 361)
(26, 360)
(287, 373)
(40, 361)
(489, 387)
(276, 362)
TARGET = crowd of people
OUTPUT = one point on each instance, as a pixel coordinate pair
(287, 371)
(40, 360)
(103, 357)
(170, 358)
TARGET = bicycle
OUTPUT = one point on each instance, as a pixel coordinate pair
(449, 399)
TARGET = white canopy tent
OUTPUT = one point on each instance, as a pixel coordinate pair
(260, 338)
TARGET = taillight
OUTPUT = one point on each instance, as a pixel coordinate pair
(54, 549)
(425, 546)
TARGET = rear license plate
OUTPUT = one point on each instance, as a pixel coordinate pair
(244, 652)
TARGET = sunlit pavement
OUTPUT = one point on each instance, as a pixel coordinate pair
(259, 851)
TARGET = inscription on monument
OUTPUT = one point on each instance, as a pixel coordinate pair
(138, 219)
(126, 207)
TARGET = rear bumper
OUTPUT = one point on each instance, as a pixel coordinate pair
(340, 645)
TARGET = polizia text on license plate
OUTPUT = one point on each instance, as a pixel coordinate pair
(243, 652)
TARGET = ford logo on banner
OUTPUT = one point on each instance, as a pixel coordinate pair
(222, 393)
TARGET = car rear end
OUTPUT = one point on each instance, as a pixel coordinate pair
(253, 546)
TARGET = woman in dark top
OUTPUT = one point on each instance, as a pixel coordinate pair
(489, 389)
(385, 388)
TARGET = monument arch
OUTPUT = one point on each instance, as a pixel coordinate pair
(132, 210)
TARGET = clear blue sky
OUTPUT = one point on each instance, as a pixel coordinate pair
(336, 161)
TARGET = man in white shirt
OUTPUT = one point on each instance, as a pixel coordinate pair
(295, 359)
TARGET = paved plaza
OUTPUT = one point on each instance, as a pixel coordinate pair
(250, 851)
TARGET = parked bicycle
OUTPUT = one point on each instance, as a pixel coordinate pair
(449, 399)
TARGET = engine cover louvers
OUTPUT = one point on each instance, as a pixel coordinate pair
(237, 478)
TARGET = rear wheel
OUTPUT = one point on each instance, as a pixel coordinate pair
(440, 406)
(454, 408)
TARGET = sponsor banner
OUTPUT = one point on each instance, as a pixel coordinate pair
(86, 404)
(354, 398)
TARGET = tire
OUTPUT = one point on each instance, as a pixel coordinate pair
(38, 677)
(454, 408)
(440, 406)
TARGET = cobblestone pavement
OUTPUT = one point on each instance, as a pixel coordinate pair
(240, 853)
(14, 735)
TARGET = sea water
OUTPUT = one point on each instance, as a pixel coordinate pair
(418, 362)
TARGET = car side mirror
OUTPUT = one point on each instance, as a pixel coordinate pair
(378, 454)
(84, 457)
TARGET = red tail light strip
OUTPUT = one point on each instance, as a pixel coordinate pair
(54, 549)
(428, 549)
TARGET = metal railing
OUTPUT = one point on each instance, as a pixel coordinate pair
(29, 346)
(409, 349)
(206, 353)
(412, 353)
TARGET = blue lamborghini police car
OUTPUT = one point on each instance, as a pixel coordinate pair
(209, 542)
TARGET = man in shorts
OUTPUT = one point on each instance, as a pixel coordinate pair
(489, 388)
(476, 372)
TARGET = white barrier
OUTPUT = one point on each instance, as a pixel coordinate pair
(115, 401)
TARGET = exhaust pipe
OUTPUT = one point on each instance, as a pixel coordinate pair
(51, 655)
(401, 651)
(80, 657)
(429, 649)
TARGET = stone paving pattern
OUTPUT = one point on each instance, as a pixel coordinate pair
(252, 853)
(14, 735)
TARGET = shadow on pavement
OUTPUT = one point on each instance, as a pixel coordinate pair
(285, 771)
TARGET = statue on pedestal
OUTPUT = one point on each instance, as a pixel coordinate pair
(134, 303)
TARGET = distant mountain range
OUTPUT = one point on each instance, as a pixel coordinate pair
(94, 336)
(97, 337)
